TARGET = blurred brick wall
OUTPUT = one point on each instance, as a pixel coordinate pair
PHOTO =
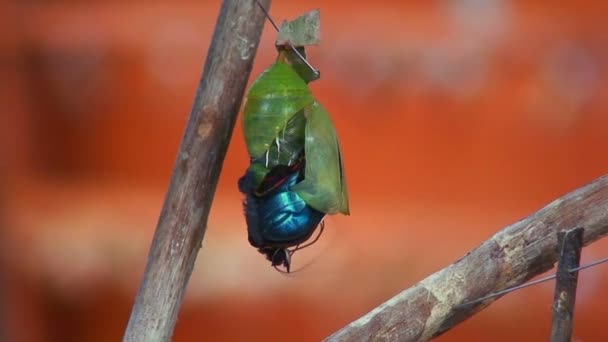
(456, 118)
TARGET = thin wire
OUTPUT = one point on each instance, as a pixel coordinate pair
(537, 281)
(496, 294)
(597, 262)
(291, 46)
(268, 16)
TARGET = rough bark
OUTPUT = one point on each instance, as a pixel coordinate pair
(511, 257)
(183, 219)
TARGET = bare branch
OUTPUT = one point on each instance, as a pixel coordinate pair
(183, 219)
(512, 256)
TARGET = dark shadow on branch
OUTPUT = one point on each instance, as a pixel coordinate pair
(511, 257)
(183, 219)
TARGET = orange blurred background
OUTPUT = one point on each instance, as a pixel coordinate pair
(456, 118)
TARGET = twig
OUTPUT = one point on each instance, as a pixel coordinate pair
(183, 218)
(512, 256)
(569, 243)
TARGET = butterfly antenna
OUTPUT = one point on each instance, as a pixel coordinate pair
(298, 247)
(278, 269)
(537, 281)
(290, 253)
(315, 71)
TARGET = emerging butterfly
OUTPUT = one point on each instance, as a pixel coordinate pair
(296, 174)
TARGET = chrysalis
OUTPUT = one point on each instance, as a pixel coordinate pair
(296, 174)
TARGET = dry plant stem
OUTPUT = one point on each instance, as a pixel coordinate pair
(511, 257)
(569, 245)
(183, 218)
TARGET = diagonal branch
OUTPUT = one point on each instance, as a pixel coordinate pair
(183, 218)
(511, 257)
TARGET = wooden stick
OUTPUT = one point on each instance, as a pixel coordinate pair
(511, 257)
(569, 243)
(183, 219)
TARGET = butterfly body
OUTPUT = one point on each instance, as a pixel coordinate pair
(277, 217)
